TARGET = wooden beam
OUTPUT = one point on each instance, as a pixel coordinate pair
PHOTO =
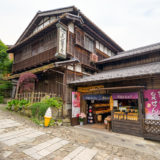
(116, 88)
(35, 70)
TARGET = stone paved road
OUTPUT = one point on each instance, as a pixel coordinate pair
(24, 140)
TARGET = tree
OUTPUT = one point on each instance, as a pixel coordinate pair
(5, 68)
(26, 82)
(5, 63)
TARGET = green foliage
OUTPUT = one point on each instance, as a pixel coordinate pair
(53, 102)
(23, 103)
(5, 68)
(37, 121)
(1, 99)
(16, 104)
(52, 122)
(39, 109)
(5, 63)
(4, 87)
(41, 122)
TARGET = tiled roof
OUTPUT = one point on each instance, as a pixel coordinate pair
(133, 71)
(132, 53)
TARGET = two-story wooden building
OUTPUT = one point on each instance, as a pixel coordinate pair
(59, 46)
(128, 89)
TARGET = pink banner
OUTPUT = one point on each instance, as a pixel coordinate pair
(75, 104)
(152, 104)
(132, 95)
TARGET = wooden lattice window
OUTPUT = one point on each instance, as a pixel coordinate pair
(79, 37)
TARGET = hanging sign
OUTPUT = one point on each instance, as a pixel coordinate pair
(62, 41)
(89, 89)
(132, 95)
(96, 97)
(152, 104)
(75, 104)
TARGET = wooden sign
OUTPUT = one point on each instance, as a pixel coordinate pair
(89, 89)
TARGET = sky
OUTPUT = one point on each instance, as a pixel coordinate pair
(130, 23)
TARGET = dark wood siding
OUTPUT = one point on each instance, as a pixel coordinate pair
(34, 61)
(50, 82)
(127, 127)
(43, 44)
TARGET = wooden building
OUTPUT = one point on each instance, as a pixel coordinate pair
(132, 80)
(59, 46)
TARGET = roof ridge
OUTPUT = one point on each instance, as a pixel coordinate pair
(57, 9)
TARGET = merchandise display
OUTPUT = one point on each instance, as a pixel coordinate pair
(90, 114)
(127, 110)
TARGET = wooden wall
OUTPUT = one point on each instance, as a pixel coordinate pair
(41, 44)
(127, 127)
(50, 82)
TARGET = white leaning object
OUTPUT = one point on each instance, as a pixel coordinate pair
(48, 113)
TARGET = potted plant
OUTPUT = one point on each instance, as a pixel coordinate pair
(82, 116)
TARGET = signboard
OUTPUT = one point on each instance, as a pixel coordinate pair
(132, 95)
(62, 40)
(96, 97)
(89, 89)
(75, 104)
(152, 104)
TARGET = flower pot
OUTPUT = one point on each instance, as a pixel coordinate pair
(81, 123)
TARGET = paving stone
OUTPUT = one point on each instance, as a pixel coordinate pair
(86, 154)
(43, 149)
(6, 123)
(74, 153)
(7, 153)
(15, 137)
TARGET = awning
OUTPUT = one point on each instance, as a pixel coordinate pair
(96, 97)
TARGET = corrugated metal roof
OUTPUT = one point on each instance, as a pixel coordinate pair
(133, 71)
(132, 53)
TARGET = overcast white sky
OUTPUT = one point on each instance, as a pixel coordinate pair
(130, 23)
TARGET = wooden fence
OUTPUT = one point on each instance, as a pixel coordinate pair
(34, 96)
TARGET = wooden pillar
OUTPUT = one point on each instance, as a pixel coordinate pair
(64, 90)
(17, 89)
(141, 110)
(74, 70)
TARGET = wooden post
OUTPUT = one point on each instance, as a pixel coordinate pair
(74, 70)
(140, 108)
(17, 89)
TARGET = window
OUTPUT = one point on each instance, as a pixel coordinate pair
(89, 44)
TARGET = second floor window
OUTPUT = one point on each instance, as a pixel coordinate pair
(89, 44)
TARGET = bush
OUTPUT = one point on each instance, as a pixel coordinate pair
(1, 99)
(39, 109)
(13, 105)
(23, 103)
(53, 102)
(16, 104)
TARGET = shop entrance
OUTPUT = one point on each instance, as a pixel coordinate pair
(97, 109)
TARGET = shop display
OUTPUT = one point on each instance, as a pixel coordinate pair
(127, 108)
(90, 114)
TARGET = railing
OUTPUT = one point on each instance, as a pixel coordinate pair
(35, 60)
(34, 96)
